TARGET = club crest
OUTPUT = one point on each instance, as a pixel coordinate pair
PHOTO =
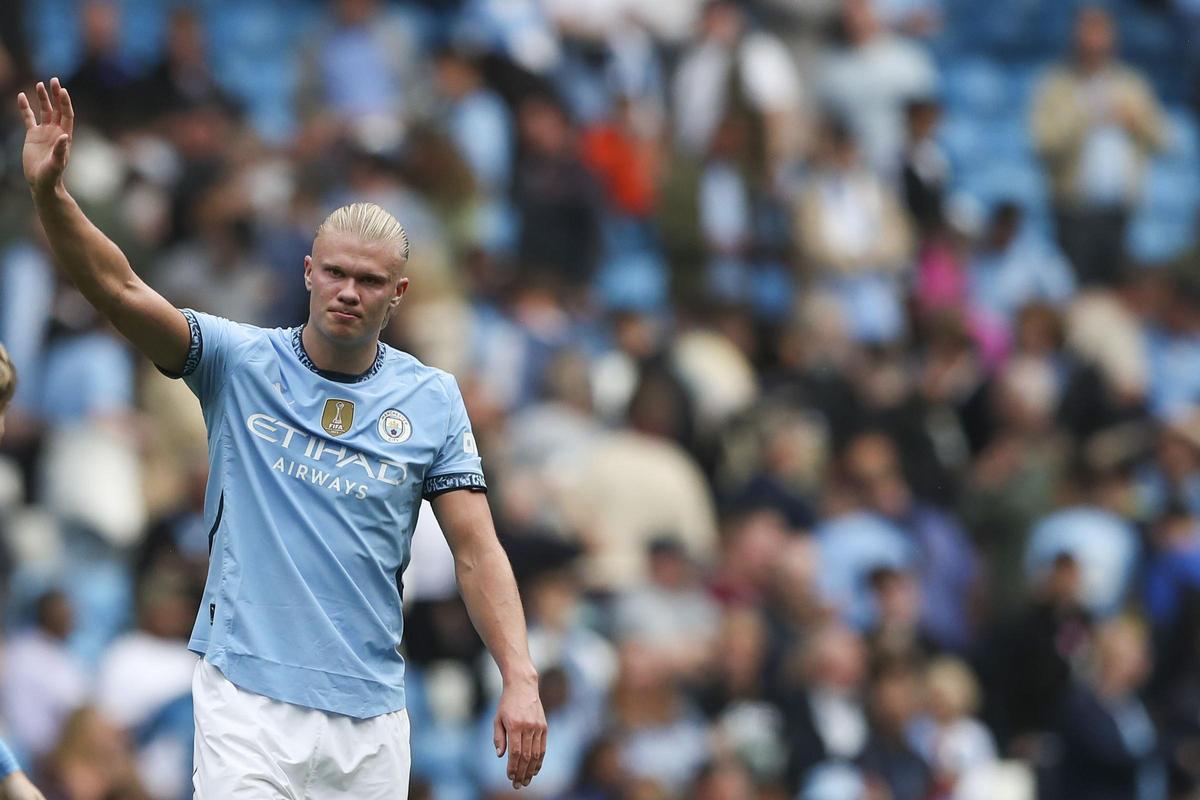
(394, 427)
(337, 417)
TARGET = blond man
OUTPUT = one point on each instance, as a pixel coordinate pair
(322, 443)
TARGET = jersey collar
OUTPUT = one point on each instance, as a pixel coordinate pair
(340, 377)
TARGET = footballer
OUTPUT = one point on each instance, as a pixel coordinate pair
(322, 443)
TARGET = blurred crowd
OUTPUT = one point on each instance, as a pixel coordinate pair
(835, 365)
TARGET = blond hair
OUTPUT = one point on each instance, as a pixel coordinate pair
(370, 223)
(8, 379)
(954, 680)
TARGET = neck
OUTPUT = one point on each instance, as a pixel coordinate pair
(350, 359)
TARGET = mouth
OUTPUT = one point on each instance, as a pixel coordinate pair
(346, 316)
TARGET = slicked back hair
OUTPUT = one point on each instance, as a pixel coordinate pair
(370, 223)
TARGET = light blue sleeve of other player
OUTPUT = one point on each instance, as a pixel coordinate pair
(457, 464)
(8, 762)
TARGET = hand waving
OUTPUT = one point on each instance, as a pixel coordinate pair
(47, 135)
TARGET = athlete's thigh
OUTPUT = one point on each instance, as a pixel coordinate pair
(363, 759)
(238, 754)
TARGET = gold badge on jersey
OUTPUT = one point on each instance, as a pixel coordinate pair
(337, 417)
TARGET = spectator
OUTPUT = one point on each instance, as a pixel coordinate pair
(1031, 661)
(854, 238)
(888, 757)
(556, 199)
(824, 712)
(670, 615)
(103, 80)
(1110, 748)
(870, 80)
(361, 38)
(731, 71)
(183, 79)
(662, 737)
(43, 682)
(1013, 267)
(1095, 121)
(926, 170)
(476, 119)
(947, 570)
(950, 740)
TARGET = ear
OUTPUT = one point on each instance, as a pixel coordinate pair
(308, 267)
(401, 288)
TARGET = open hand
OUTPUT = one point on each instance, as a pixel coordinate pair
(520, 729)
(48, 135)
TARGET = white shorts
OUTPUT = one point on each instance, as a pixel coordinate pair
(250, 747)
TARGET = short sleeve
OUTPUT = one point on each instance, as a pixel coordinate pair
(8, 762)
(209, 357)
(457, 464)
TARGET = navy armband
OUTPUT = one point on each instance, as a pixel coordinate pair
(440, 484)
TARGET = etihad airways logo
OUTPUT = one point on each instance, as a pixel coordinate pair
(325, 464)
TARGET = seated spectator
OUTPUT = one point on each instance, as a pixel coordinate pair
(102, 83)
(1110, 746)
(145, 682)
(888, 757)
(91, 759)
(43, 682)
(557, 200)
(948, 737)
(1105, 546)
(851, 548)
(1172, 600)
(854, 238)
(1030, 662)
(1012, 267)
(945, 563)
(476, 119)
(926, 168)
(663, 739)
(183, 79)
(824, 715)
(670, 615)
(359, 38)
(1096, 122)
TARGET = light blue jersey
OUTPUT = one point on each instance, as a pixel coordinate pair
(315, 481)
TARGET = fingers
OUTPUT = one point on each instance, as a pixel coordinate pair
(26, 112)
(539, 751)
(498, 737)
(60, 151)
(44, 104)
(55, 103)
(518, 767)
(68, 111)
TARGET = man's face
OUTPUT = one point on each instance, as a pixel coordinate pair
(1094, 36)
(354, 285)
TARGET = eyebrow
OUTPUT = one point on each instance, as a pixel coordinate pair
(384, 276)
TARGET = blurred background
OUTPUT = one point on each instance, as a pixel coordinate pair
(835, 366)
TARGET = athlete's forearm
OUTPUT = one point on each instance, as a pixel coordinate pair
(486, 581)
(489, 591)
(91, 260)
(99, 269)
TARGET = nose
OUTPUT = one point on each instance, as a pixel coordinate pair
(348, 293)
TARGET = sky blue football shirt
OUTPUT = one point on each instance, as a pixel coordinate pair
(315, 482)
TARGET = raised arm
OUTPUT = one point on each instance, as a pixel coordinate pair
(91, 260)
(489, 590)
